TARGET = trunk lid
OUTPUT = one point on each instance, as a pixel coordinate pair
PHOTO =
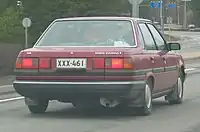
(57, 52)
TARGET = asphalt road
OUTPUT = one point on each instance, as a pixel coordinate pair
(60, 117)
(15, 117)
(190, 41)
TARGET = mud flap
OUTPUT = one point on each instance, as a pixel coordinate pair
(137, 97)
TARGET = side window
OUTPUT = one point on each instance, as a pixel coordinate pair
(148, 39)
(140, 37)
(157, 37)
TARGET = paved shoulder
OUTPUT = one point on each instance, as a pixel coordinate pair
(61, 117)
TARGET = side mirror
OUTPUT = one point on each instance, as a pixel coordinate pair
(174, 46)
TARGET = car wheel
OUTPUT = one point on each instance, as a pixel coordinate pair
(176, 96)
(147, 107)
(38, 108)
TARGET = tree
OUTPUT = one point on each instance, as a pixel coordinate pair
(196, 8)
(10, 26)
(42, 12)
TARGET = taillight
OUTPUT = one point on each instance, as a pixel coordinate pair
(32, 63)
(116, 63)
(119, 63)
(44, 63)
(128, 63)
(98, 63)
(29, 63)
(18, 64)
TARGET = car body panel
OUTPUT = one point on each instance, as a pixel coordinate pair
(153, 63)
(171, 69)
(66, 84)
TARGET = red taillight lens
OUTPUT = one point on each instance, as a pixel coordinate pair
(29, 63)
(26, 62)
(44, 63)
(98, 63)
(18, 64)
(32, 63)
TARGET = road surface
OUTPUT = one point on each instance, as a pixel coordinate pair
(190, 41)
(60, 117)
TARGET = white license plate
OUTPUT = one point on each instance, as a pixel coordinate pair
(71, 63)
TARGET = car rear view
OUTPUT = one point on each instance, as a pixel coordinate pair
(75, 60)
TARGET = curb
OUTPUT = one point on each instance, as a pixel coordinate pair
(8, 92)
(174, 29)
(6, 89)
(192, 58)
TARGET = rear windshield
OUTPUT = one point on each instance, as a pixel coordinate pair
(89, 33)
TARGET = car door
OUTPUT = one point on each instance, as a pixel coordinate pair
(154, 61)
(170, 74)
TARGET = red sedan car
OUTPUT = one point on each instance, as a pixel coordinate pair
(100, 61)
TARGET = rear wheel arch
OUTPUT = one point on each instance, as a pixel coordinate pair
(150, 78)
(151, 81)
(182, 73)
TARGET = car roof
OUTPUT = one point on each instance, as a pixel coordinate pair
(104, 18)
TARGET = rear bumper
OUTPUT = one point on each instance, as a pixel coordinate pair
(59, 90)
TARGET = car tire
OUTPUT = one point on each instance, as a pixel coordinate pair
(176, 96)
(40, 108)
(146, 109)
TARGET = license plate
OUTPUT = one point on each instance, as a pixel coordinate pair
(71, 63)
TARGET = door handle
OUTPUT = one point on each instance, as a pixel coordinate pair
(151, 58)
(164, 58)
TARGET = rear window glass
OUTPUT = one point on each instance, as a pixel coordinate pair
(89, 33)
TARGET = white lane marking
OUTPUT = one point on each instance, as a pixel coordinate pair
(11, 99)
(190, 69)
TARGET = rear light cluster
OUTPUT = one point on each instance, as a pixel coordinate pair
(98, 63)
(33, 63)
(113, 63)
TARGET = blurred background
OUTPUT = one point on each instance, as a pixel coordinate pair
(43, 12)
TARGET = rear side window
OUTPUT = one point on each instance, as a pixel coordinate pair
(148, 40)
(140, 37)
(89, 33)
(157, 37)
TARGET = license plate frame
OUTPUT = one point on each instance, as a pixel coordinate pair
(71, 63)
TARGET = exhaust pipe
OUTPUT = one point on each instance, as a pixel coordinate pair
(108, 103)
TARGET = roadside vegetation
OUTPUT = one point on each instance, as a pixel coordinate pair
(11, 30)
(43, 12)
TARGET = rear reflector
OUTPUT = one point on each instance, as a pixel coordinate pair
(98, 63)
(44, 63)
